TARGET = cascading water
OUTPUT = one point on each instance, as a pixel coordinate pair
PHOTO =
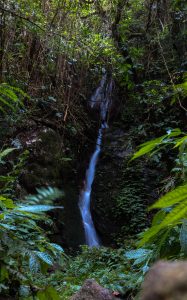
(101, 98)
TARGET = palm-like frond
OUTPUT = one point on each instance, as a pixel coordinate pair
(11, 97)
(176, 200)
(44, 195)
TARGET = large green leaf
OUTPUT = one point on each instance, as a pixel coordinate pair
(171, 219)
(177, 195)
(48, 294)
(57, 247)
(45, 257)
(175, 215)
(148, 147)
(149, 234)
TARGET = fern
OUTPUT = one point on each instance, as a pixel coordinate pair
(25, 248)
(45, 195)
(37, 209)
(11, 97)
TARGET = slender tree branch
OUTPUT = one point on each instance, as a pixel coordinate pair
(21, 17)
(171, 79)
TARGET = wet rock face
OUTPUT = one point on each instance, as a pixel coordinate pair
(166, 281)
(111, 204)
(45, 159)
(49, 164)
(91, 290)
(122, 190)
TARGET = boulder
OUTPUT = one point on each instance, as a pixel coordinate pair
(91, 290)
(166, 281)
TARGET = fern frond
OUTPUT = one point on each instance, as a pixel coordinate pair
(46, 195)
(9, 97)
(171, 219)
(175, 215)
(177, 195)
(7, 103)
(149, 234)
(36, 209)
(180, 141)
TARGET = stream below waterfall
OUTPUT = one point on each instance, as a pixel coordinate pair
(101, 99)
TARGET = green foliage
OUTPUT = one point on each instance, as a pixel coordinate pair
(4, 153)
(24, 245)
(167, 235)
(130, 204)
(177, 195)
(151, 147)
(46, 195)
(49, 293)
(177, 199)
(173, 204)
(109, 267)
(10, 180)
(25, 249)
(10, 97)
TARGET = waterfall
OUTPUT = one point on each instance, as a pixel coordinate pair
(102, 99)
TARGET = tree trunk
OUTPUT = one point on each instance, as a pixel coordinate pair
(2, 42)
(122, 49)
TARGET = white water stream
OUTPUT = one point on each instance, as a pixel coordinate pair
(101, 98)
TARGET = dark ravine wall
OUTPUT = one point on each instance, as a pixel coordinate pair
(122, 190)
(48, 165)
(56, 161)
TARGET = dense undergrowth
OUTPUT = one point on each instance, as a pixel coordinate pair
(52, 56)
